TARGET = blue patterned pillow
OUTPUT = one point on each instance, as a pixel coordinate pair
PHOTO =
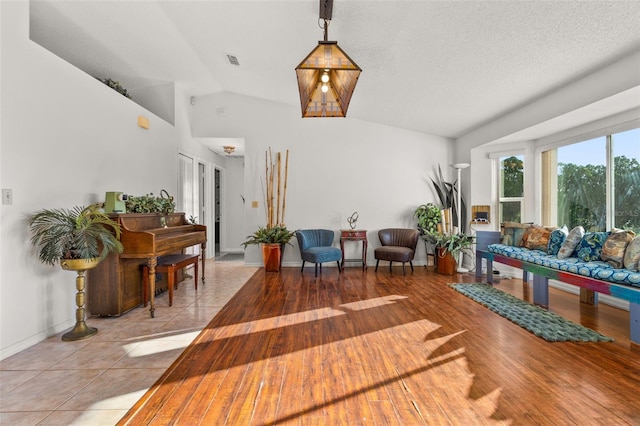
(589, 249)
(556, 239)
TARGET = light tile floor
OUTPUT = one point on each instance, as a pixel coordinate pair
(95, 381)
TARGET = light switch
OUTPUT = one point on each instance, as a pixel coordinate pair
(7, 196)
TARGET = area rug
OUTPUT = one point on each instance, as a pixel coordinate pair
(542, 323)
(229, 257)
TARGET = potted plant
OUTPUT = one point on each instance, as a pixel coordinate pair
(447, 194)
(78, 239)
(164, 204)
(271, 241)
(273, 237)
(428, 217)
(448, 246)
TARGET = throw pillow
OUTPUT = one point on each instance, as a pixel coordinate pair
(615, 246)
(556, 239)
(632, 255)
(512, 233)
(569, 245)
(589, 249)
(537, 238)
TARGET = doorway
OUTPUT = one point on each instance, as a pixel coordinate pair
(218, 209)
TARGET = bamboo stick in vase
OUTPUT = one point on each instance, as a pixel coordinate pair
(284, 192)
(278, 221)
(265, 191)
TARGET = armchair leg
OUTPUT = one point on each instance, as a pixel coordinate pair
(390, 262)
(411, 264)
(316, 269)
(339, 268)
(403, 271)
(377, 261)
(302, 269)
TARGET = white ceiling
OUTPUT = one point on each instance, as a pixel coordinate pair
(439, 67)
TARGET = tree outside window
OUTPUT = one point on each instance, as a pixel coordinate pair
(511, 188)
(582, 183)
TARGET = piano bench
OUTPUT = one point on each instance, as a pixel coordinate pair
(169, 265)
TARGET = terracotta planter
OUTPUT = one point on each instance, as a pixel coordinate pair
(446, 264)
(271, 256)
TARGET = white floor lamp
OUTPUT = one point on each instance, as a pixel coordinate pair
(459, 167)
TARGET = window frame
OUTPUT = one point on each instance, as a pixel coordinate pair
(549, 203)
(497, 157)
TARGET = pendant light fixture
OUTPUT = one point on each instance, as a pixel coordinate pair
(327, 77)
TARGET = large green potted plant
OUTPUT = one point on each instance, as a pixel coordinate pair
(448, 246)
(447, 194)
(271, 241)
(78, 239)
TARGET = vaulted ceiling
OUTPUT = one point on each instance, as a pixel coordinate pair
(439, 67)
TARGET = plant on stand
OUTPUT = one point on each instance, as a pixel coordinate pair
(273, 237)
(78, 239)
(428, 217)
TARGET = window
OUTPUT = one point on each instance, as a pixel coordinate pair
(596, 185)
(626, 180)
(511, 202)
(582, 185)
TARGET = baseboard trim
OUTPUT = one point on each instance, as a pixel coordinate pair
(35, 339)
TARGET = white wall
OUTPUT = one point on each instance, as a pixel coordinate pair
(336, 167)
(65, 140)
(234, 206)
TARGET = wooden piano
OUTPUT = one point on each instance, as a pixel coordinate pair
(115, 285)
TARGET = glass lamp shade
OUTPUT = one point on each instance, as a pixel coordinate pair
(343, 74)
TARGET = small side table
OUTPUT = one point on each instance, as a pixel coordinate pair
(354, 235)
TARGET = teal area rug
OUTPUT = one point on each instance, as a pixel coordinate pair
(542, 323)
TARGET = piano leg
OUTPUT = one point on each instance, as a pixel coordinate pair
(152, 262)
(203, 250)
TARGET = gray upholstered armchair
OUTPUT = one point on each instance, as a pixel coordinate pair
(316, 246)
(398, 245)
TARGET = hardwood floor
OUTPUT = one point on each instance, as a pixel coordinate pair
(380, 348)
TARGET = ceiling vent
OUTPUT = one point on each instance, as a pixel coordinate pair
(233, 60)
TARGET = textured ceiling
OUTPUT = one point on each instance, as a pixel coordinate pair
(439, 67)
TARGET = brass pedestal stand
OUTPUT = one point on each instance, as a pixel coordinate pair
(80, 330)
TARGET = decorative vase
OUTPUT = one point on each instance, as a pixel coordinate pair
(80, 330)
(446, 263)
(271, 255)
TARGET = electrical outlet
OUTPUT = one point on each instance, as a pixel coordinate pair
(7, 196)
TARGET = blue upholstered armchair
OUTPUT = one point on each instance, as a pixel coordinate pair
(316, 246)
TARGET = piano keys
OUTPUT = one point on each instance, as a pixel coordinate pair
(115, 285)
